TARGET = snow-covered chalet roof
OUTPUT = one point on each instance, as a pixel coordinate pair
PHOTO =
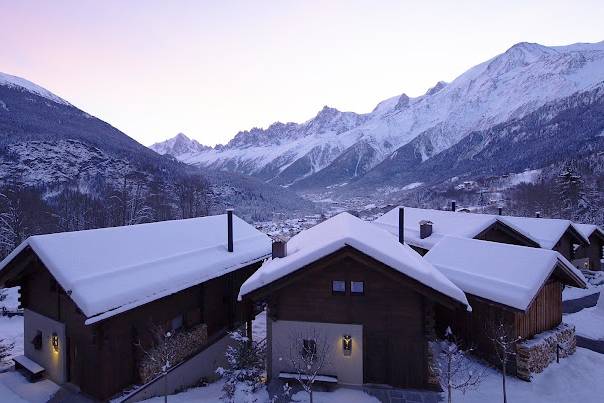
(347, 230)
(111, 270)
(586, 230)
(545, 232)
(508, 274)
(444, 223)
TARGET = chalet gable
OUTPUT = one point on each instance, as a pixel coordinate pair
(347, 231)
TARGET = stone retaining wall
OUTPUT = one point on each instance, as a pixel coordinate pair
(534, 355)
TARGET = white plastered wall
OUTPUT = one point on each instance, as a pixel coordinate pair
(53, 361)
(348, 369)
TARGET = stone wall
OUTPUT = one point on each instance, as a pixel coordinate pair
(534, 355)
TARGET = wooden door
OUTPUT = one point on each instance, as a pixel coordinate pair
(73, 373)
(376, 362)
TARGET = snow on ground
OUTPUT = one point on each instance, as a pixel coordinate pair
(412, 185)
(11, 329)
(211, 394)
(259, 327)
(595, 280)
(342, 395)
(570, 293)
(577, 378)
(588, 323)
(14, 388)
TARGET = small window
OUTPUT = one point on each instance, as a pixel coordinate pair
(357, 287)
(177, 322)
(37, 340)
(309, 347)
(338, 287)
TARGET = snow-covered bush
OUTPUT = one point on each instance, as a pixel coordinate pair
(5, 351)
(244, 371)
(454, 368)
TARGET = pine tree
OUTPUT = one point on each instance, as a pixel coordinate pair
(570, 188)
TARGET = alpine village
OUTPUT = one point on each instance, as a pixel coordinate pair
(443, 247)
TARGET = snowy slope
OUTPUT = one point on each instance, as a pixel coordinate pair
(24, 85)
(508, 86)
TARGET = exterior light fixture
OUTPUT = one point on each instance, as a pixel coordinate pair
(55, 342)
(347, 344)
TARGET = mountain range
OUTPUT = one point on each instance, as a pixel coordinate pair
(491, 119)
(47, 142)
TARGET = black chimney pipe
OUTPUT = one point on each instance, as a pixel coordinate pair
(500, 210)
(538, 214)
(230, 230)
(279, 249)
(401, 224)
(453, 207)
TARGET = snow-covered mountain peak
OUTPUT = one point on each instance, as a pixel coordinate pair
(178, 145)
(25, 85)
(439, 86)
(337, 147)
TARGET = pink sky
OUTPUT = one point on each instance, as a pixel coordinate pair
(210, 69)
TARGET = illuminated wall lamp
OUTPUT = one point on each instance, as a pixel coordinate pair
(347, 344)
(55, 342)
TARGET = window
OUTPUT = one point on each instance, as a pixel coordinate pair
(357, 287)
(338, 287)
(177, 322)
(309, 347)
(37, 340)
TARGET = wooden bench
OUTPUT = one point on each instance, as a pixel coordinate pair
(32, 370)
(323, 379)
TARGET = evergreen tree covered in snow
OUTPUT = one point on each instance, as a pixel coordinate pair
(570, 189)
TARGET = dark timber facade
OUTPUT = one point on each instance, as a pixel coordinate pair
(594, 252)
(102, 358)
(396, 313)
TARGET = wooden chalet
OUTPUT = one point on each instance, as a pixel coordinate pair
(592, 254)
(369, 297)
(518, 287)
(424, 228)
(92, 298)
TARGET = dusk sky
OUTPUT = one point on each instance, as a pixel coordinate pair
(210, 69)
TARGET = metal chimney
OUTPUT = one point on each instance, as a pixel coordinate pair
(279, 248)
(425, 229)
(500, 210)
(453, 206)
(230, 229)
(401, 224)
(538, 214)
